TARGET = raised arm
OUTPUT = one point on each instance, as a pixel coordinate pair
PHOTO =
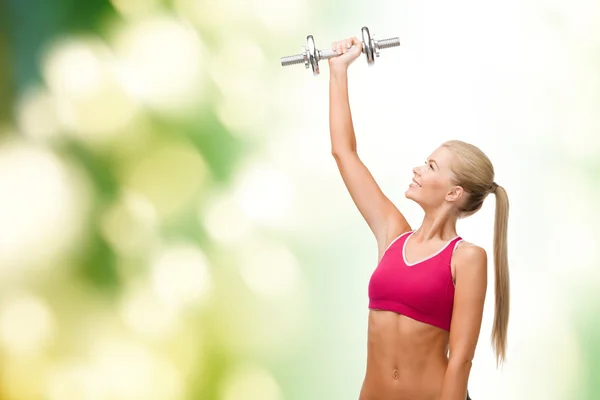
(384, 219)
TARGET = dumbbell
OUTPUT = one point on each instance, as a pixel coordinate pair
(311, 56)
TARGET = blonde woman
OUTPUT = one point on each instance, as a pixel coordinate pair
(426, 294)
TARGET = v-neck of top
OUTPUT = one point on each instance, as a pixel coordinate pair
(426, 258)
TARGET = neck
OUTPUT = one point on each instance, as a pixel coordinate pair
(437, 224)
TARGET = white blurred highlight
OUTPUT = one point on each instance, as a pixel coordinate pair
(278, 299)
(27, 324)
(264, 193)
(239, 68)
(160, 63)
(277, 17)
(91, 103)
(224, 219)
(306, 155)
(72, 380)
(128, 370)
(281, 16)
(74, 68)
(42, 206)
(270, 270)
(144, 313)
(130, 225)
(117, 369)
(306, 158)
(180, 276)
(249, 382)
(213, 14)
(37, 114)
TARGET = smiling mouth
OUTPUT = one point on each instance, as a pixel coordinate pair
(416, 183)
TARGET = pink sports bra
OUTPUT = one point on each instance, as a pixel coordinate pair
(423, 291)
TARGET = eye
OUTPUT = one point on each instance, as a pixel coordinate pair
(430, 165)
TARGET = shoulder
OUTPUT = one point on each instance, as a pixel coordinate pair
(470, 254)
(470, 265)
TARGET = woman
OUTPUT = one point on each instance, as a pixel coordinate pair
(427, 293)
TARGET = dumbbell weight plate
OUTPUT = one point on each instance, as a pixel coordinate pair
(368, 45)
(312, 54)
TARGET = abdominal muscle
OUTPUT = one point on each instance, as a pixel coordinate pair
(406, 359)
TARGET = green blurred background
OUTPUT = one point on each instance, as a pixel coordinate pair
(173, 226)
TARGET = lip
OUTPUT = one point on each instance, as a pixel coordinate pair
(416, 183)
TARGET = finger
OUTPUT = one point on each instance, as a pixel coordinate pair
(357, 43)
(348, 44)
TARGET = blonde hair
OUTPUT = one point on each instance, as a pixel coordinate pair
(474, 172)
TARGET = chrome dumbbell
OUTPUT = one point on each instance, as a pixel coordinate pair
(311, 56)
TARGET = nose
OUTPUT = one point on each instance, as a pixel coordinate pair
(417, 170)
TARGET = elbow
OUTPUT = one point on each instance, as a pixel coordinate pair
(461, 362)
(338, 153)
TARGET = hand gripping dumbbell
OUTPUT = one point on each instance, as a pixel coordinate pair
(311, 55)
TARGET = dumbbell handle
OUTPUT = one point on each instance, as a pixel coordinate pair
(328, 53)
(383, 44)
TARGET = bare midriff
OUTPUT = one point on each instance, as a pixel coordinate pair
(406, 359)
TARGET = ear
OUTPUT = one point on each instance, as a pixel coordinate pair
(455, 193)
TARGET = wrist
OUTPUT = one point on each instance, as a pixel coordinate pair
(341, 70)
(338, 74)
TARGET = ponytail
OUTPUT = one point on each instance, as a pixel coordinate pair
(502, 285)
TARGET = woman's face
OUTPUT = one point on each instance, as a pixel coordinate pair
(433, 182)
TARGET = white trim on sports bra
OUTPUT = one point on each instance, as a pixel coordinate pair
(425, 259)
(394, 241)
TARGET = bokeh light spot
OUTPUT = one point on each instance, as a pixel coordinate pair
(269, 269)
(130, 371)
(37, 115)
(169, 175)
(250, 383)
(130, 225)
(26, 324)
(160, 63)
(91, 103)
(224, 219)
(180, 276)
(264, 194)
(143, 312)
(38, 194)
